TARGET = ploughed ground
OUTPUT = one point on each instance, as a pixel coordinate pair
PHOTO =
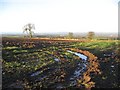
(42, 63)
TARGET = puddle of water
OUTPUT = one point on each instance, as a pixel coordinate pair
(78, 54)
(56, 59)
(112, 66)
(80, 69)
(35, 74)
(60, 86)
(107, 55)
(77, 73)
(81, 56)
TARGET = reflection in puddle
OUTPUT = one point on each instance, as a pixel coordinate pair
(56, 59)
(112, 66)
(80, 68)
(83, 57)
(35, 74)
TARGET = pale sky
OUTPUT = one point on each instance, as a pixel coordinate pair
(59, 15)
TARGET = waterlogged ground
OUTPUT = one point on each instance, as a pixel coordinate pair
(60, 64)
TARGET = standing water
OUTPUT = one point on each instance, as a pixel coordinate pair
(80, 68)
(83, 57)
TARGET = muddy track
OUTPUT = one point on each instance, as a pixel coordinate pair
(64, 77)
(92, 69)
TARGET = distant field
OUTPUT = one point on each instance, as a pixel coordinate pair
(47, 63)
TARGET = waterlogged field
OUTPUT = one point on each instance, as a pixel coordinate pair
(60, 64)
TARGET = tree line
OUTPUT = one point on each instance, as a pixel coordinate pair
(28, 31)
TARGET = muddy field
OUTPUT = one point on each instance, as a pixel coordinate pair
(45, 63)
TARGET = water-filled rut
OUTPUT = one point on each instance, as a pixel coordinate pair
(56, 76)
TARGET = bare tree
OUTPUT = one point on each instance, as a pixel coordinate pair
(28, 29)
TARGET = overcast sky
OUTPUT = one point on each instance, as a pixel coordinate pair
(59, 15)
